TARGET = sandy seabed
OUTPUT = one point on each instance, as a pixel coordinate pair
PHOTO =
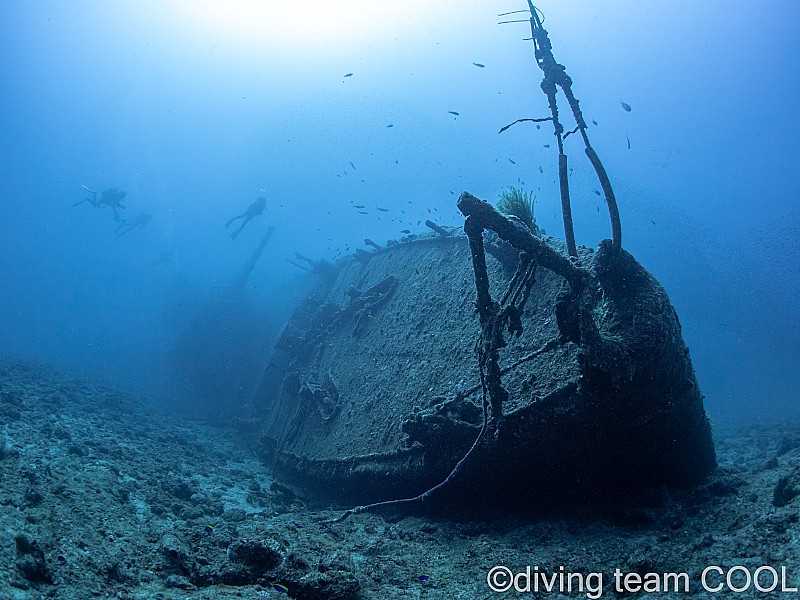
(103, 496)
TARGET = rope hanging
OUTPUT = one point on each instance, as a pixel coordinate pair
(555, 77)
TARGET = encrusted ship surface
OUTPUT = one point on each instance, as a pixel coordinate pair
(374, 391)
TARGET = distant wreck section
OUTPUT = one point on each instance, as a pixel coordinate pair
(373, 391)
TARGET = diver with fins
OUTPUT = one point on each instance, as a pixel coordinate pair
(139, 222)
(254, 210)
(111, 197)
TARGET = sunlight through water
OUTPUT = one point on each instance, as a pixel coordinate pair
(309, 26)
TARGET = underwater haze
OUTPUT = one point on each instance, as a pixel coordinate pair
(360, 120)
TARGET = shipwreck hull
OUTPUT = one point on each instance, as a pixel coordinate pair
(374, 391)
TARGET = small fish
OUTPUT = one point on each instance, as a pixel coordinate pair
(512, 161)
(281, 589)
(390, 125)
(382, 209)
(405, 231)
(538, 126)
(452, 112)
(541, 170)
(594, 122)
(348, 75)
(479, 65)
(424, 578)
(628, 140)
(653, 222)
(358, 206)
(625, 106)
(362, 212)
(352, 165)
(208, 529)
(597, 192)
(546, 145)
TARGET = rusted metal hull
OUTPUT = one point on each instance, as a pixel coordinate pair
(374, 392)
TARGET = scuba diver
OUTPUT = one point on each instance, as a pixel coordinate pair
(110, 197)
(125, 226)
(255, 209)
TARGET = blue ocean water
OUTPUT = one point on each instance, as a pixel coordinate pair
(195, 109)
